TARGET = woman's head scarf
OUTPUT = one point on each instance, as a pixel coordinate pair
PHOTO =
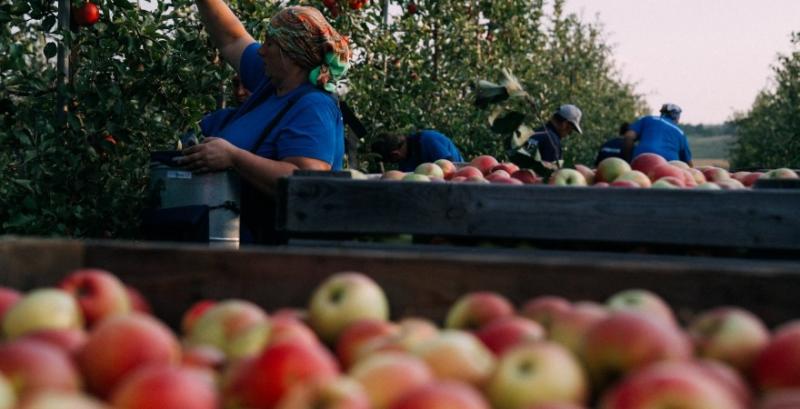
(308, 39)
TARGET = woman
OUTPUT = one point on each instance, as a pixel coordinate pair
(290, 122)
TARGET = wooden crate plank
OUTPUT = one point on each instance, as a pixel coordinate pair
(30, 263)
(426, 283)
(767, 219)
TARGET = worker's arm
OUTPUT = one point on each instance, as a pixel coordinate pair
(226, 31)
(627, 145)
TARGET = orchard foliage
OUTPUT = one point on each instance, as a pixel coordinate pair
(141, 77)
(769, 135)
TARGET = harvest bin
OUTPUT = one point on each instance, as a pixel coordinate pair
(729, 222)
(422, 282)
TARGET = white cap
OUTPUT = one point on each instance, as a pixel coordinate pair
(571, 114)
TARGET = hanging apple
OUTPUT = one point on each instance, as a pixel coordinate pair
(86, 15)
(357, 4)
(411, 8)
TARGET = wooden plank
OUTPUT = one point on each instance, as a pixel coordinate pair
(425, 283)
(30, 263)
(768, 219)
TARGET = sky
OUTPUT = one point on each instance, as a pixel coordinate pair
(711, 57)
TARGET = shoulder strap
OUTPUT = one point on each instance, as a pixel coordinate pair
(277, 118)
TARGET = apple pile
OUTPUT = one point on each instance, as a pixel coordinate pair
(482, 169)
(91, 343)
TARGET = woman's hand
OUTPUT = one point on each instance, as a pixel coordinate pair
(213, 154)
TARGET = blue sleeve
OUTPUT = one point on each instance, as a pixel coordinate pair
(436, 148)
(251, 67)
(311, 129)
(685, 154)
(638, 125)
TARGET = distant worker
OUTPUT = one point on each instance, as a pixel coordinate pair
(408, 151)
(214, 121)
(612, 148)
(547, 139)
(660, 135)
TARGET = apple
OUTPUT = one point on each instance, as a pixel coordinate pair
(715, 174)
(412, 332)
(708, 186)
(262, 381)
(387, 376)
(780, 173)
(646, 162)
(729, 334)
(236, 327)
(448, 167)
(778, 364)
(569, 327)
(353, 339)
(504, 333)
(468, 172)
(194, 312)
(138, 302)
(393, 175)
(55, 399)
(668, 182)
(601, 184)
(477, 179)
(679, 164)
(535, 373)
(458, 179)
(329, 393)
(728, 377)
(357, 4)
(543, 308)
(457, 355)
(411, 7)
(284, 328)
(509, 167)
(45, 308)
(567, 177)
(499, 173)
(625, 184)
(119, 345)
(697, 176)
(526, 176)
(202, 357)
(643, 301)
(587, 173)
(627, 341)
(635, 176)
(503, 180)
(610, 168)
(484, 163)
(751, 178)
(33, 366)
(442, 395)
(100, 294)
(730, 184)
(665, 170)
(86, 15)
(8, 297)
(69, 340)
(780, 399)
(8, 399)
(474, 310)
(165, 387)
(670, 385)
(430, 170)
(343, 299)
(416, 177)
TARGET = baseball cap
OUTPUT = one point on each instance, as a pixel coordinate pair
(671, 110)
(571, 114)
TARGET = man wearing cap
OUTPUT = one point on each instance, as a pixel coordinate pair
(660, 135)
(408, 151)
(547, 139)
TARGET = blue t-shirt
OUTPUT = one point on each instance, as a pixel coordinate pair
(313, 127)
(662, 136)
(429, 146)
(611, 149)
(547, 141)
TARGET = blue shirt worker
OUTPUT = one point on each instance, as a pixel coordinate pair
(409, 151)
(612, 148)
(660, 135)
(291, 121)
(547, 139)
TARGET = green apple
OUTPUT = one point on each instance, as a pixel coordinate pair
(45, 308)
(343, 299)
(7, 398)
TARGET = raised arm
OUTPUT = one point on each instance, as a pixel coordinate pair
(225, 30)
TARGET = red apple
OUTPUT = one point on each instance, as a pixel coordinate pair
(542, 309)
(503, 333)
(387, 376)
(526, 176)
(728, 377)
(237, 327)
(610, 168)
(781, 399)
(411, 7)
(262, 381)
(442, 395)
(430, 170)
(635, 176)
(751, 178)
(69, 340)
(587, 173)
(138, 302)
(625, 183)
(601, 184)
(679, 164)
(567, 177)
(457, 355)
(778, 364)
(715, 174)
(729, 334)
(203, 357)
(643, 301)
(509, 167)
(121, 344)
(646, 162)
(8, 297)
(44, 308)
(697, 175)
(477, 309)
(328, 393)
(393, 175)
(165, 387)
(193, 313)
(100, 294)
(627, 341)
(670, 385)
(536, 373)
(86, 15)
(469, 172)
(499, 173)
(448, 168)
(665, 170)
(485, 163)
(412, 332)
(350, 344)
(669, 182)
(343, 299)
(33, 366)
(284, 328)
(569, 327)
(730, 184)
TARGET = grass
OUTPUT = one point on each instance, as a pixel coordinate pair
(711, 150)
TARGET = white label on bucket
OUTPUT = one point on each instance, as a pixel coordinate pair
(178, 174)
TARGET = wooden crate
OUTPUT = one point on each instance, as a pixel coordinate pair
(742, 219)
(422, 282)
